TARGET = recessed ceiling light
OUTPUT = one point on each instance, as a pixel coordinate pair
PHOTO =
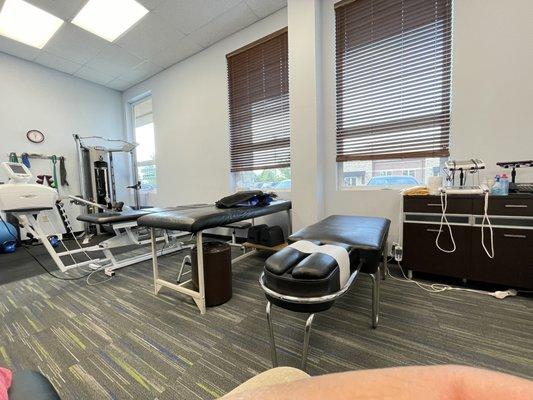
(109, 19)
(28, 24)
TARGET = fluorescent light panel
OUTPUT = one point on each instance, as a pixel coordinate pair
(109, 18)
(28, 24)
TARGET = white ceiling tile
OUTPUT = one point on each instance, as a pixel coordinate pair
(75, 44)
(263, 8)
(93, 75)
(58, 63)
(114, 60)
(177, 51)
(119, 84)
(150, 4)
(151, 35)
(17, 49)
(64, 9)
(188, 15)
(231, 21)
(141, 72)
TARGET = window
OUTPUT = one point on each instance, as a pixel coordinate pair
(393, 62)
(144, 136)
(258, 85)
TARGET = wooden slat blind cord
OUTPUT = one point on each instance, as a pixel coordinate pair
(393, 61)
(258, 84)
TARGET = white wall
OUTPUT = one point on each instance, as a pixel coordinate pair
(191, 119)
(59, 105)
(492, 112)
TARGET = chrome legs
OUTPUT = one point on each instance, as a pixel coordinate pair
(186, 261)
(375, 297)
(307, 336)
(273, 354)
(385, 266)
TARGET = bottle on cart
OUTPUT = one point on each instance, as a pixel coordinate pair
(505, 184)
(497, 187)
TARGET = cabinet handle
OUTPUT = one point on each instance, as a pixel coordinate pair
(434, 205)
(508, 235)
(432, 230)
(516, 206)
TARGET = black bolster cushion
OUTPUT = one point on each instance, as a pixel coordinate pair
(294, 273)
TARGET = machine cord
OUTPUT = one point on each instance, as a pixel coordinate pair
(444, 219)
(23, 246)
(440, 287)
(486, 218)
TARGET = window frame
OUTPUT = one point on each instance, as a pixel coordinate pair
(234, 173)
(132, 135)
(339, 165)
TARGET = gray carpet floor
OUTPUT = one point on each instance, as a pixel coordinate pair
(118, 340)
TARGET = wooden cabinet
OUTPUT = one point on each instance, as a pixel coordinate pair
(511, 218)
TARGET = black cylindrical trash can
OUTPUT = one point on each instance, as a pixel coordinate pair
(217, 272)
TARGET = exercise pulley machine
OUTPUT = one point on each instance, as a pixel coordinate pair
(97, 174)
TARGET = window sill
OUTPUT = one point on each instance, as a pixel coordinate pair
(372, 188)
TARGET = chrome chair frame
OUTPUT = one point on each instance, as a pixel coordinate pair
(376, 278)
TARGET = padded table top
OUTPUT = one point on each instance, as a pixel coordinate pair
(113, 217)
(362, 233)
(209, 216)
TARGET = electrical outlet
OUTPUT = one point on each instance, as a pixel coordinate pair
(398, 253)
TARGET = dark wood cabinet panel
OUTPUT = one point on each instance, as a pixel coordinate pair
(512, 263)
(513, 239)
(432, 204)
(421, 253)
(507, 205)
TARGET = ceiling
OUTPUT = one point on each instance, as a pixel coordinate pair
(172, 31)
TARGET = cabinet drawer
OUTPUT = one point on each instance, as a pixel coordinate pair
(506, 205)
(512, 264)
(431, 204)
(421, 253)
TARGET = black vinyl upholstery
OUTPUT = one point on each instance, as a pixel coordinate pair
(113, 217)
(31, 385)
(368, 235)
(293, 273)
(201, 218)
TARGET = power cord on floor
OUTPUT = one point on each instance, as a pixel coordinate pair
(24, 247)
(440, 288)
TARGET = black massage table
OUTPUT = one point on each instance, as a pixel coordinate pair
(196, 221)
(310, 283)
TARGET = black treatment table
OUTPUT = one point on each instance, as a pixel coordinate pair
(197, 220)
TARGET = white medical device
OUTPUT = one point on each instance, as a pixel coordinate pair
(484, 190)
(19, 195)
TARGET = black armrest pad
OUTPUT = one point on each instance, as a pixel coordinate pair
(31, 385)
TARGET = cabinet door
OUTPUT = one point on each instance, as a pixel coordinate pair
(512, 263)
(421, 254)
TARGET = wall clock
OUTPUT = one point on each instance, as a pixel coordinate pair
(35, 136)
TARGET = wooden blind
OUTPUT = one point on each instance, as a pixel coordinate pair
(258, 82)
(393, 61)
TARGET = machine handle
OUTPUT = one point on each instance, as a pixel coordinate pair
(432, 230)
(434, 205)
(508, 235)
(516, 206)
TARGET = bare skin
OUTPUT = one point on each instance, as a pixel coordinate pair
(447, 382)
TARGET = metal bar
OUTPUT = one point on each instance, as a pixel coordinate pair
(155, 266)
(508, 235)
(307, 337)
(273, 354)
(375, 298)
(200, 301)
(243, 256)
(308, 300)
